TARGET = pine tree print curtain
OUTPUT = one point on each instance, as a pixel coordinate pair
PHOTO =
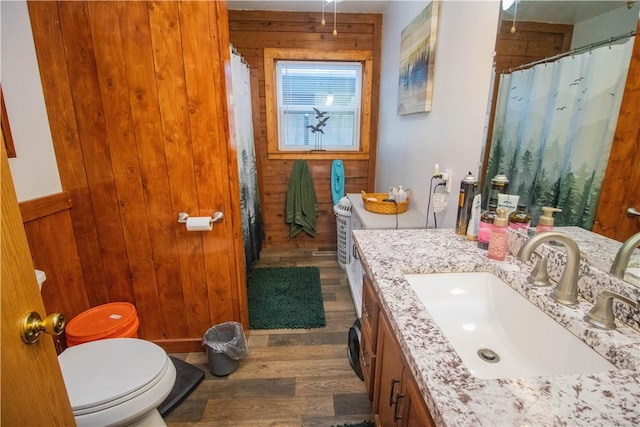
(553, 130)
(242, 125)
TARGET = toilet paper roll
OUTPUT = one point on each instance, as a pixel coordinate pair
(199, 223)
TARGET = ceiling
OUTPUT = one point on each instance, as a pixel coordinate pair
(566, 12)
(348, 6)
(563, 12)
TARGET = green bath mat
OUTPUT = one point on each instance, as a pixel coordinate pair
(285, 298)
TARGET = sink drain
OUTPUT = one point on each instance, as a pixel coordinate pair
(488, 355)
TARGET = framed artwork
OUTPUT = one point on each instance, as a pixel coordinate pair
(417, 54)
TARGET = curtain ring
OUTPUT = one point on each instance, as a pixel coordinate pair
(610, 41)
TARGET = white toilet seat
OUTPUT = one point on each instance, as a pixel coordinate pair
(115, 381)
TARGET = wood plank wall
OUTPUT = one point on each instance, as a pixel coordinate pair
(47, 222)
(250, 33)
(530, 42)
(136, 98)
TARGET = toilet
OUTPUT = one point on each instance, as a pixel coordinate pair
(117, 382)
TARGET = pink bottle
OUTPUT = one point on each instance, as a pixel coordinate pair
(545, 223)
(499, 236)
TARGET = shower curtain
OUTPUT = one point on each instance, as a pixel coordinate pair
(553, 129)
(242, 126)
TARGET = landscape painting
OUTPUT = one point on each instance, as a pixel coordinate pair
(417, 54)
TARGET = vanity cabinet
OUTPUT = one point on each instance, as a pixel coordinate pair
(397, 400)
(370, 315)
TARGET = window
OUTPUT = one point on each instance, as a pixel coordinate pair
(318, 104)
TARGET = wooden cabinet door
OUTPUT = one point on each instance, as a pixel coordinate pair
(370, 314)
(415, 412)
(388, 396)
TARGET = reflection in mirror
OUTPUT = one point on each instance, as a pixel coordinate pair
(624, 264)
(552, 123)
(600, 251)
(553, 130)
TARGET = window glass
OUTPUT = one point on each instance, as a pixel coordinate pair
(318, 105)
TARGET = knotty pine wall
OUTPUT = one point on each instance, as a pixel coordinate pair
(49, 229)
(136, 98)
(252, 31)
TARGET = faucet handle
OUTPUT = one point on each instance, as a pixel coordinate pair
(539, 275)
(601, 315)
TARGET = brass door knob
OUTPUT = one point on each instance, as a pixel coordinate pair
(33, 325)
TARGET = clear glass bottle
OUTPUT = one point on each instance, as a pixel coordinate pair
(499, 236)
(520, 219)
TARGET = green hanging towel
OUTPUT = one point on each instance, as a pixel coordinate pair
(302, 206)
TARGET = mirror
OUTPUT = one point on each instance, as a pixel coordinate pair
(532, 30)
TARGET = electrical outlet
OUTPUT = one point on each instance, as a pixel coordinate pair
(447, 175)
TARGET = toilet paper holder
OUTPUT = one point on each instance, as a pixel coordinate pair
(217, 217)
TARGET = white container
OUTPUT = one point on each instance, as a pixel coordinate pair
(343, 231)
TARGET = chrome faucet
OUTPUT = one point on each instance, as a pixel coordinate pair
(624, 253)
(566, 291)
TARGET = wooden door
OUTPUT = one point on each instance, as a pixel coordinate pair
(621, 186)
(33, 391)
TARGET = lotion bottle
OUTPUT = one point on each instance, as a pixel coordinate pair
(474, 221)
(545, 223)
(499, 236)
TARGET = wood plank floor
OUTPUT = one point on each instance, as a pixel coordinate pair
(292, 377)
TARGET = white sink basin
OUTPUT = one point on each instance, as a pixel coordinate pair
(479, 311)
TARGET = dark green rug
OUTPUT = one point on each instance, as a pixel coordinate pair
(285, 298)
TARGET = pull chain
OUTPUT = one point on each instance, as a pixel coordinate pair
(335, 31)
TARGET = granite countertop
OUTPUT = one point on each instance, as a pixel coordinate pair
(454, 396)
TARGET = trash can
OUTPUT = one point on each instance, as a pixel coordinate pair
(226, 345)
(343, 228)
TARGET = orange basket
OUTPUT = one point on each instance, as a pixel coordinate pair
(373, 202)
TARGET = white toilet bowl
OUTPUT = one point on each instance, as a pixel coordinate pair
(117, 381)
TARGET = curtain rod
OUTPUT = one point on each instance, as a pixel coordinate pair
(585, 48)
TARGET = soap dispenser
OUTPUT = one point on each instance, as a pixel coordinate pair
(545, 223)
(499, 236)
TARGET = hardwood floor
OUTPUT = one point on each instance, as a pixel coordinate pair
(292, 377)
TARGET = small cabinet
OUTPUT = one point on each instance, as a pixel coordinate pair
(397, 400)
